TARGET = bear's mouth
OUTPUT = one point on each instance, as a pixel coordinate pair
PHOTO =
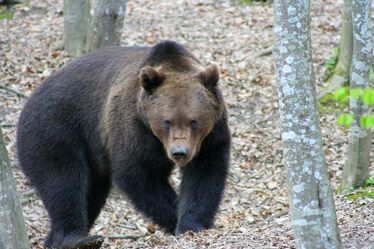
(180, 160)
(180, 163)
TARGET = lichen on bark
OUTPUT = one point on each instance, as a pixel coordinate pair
(12, 227)
(107, 23)
(356, 166)
(312, 207)
(76, 24)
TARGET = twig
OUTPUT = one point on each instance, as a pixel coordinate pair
(7, 125)
(281, 213)
(12, 91)
(127, 236)
(264, 52)
(29, 192)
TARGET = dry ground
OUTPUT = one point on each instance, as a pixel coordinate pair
(253, 212)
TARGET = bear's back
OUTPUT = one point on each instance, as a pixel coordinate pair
(67, 106)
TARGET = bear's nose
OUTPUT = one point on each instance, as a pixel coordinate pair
(178, 152)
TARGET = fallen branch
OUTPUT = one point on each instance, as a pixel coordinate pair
(127, 236)
(29, 192)
(12, 91)
(7, 125)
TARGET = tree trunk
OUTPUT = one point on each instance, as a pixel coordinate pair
(341, 71)
(12, 226)
(345, 44)
(76, 25)
(312, 207)
(356, 167)
(107, 23)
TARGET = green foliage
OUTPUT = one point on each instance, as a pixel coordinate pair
(345, 120)
(356, 93)
(368, 96)
(6, 14)
(340, 190)
(331, 62)
(332, 102)
(341, 94)
(327, 104)
(360, 193)
(328, 97)
(341, 97)
(369, 181)
(367, 121)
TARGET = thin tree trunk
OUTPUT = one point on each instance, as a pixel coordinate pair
(342, 69)
(356, 167)
(12, 226)
(345, 44)
(312, 207)
(107, 23)
(76, 24)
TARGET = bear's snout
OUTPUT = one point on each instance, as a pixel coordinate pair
(179, 152)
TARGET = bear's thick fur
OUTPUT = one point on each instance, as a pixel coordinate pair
(126, 115)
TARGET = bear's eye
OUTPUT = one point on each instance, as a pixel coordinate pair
(194, 124)
(167, 124)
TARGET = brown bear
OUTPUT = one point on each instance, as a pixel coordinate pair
(127, 115)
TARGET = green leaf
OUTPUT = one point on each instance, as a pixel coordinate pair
(330, 63)
(326, 98)
(369, 181)
(6, 15)
(367, 121)
(341, 94)
(368, 96)
(363, 122)
(345, 120)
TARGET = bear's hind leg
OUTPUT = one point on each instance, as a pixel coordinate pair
(63, 186)
(99, 191)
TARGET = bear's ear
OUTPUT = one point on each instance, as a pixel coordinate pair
(150, 78)
(210, 76)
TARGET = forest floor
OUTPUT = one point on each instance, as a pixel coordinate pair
(253, 213)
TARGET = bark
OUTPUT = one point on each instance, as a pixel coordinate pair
(356, 167)
(107, 23)
(12, 226)
(76, 25)
(342, 68)
(312, 207)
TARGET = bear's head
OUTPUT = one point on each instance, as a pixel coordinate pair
(180, 107)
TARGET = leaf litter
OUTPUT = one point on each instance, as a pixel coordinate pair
(253, 213)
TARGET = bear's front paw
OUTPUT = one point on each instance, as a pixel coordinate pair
(187, 223)
(89, 242)
(194, 228)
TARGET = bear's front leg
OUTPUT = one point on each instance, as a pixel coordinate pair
(201, 189)
(148, 188)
